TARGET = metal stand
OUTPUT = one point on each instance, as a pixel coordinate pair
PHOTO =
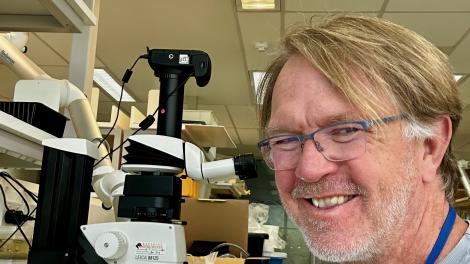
(64, 198)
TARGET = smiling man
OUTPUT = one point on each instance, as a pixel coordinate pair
(358, 115)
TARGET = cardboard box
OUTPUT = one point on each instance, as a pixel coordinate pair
(229, 261)
(216, 220)
(200, 260)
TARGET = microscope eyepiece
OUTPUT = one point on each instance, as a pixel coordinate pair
(245, 166)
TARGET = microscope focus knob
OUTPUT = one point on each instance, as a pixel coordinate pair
(111, 245)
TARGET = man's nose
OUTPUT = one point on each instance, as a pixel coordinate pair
(312, 165)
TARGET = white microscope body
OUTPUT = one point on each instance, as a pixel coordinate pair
(153, 242)
(138, 241)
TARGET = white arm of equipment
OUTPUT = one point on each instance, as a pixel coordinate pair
(107, 182)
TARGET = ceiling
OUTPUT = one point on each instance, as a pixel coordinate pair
(126, 28)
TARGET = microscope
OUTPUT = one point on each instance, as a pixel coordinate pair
(152, 193)
(146, 192)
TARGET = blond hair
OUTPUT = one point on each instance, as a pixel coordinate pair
(368, 59)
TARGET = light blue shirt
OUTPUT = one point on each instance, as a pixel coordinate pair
(461, 253)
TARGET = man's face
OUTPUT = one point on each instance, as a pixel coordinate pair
(346, 210)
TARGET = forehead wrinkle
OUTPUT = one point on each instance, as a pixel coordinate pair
(276, 130)
(328, 120)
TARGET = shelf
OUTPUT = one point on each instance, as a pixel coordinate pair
(20, 143)
(207, 136)
(46, 16)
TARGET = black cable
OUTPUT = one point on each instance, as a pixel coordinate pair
(33, 196)
(18, 191)
(116, 119)
(4, 197)
(6, 176)
(22, 232)
(116, 148)
(125, 79)
(18, 228)
(17, 224)
(147, 124)
(26, 204)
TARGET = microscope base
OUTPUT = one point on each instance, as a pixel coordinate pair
(137, 242)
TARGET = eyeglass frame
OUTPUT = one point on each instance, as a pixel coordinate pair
(365, 124)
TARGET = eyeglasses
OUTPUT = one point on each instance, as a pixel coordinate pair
(339, 142)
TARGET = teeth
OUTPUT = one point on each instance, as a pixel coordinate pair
(334, 200)
(315, 202)
(331, 201)
(341, 199)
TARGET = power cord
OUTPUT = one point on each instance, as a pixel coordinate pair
(17, 217)
(125, 79)
(4, 198)
(32, 195)
(18, 228)
(148, 120)
(19, 193)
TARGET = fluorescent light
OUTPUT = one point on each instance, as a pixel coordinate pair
(258, 4)
(457, 77)
(257, 77)
(105, 81)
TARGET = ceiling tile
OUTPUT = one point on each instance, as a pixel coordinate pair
(211, 27)
(333, 5)
(442, 29)
(233, 135)
(220, 113)
(259, 27)
(464, 126)
(99, 63)
(465, 155)
(461, 141)
(42, 53)
(248, 136)
(60, 42)
(428, 5)
(460, 57)
(57, 72)
(464, 91)
(244, 116)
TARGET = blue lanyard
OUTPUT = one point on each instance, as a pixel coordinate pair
(443, 236)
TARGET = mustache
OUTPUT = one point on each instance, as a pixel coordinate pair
(303, 189)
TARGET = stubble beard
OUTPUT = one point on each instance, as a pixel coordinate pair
(374, 241)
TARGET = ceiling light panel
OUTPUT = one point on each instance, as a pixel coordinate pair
(107, 83)
(258, 4)
(257, 77)
(457, 77)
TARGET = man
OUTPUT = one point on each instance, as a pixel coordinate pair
(358, 115)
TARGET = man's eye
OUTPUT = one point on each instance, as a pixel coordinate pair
(284, 143)
(345, 131)
(345, 134)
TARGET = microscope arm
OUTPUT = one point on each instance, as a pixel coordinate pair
(107, 182)
(197, 168)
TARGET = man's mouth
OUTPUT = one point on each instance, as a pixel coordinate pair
(331, 201)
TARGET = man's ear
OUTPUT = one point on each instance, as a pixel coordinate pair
(435, 148)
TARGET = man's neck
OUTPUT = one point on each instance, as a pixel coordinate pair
(418, 237)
